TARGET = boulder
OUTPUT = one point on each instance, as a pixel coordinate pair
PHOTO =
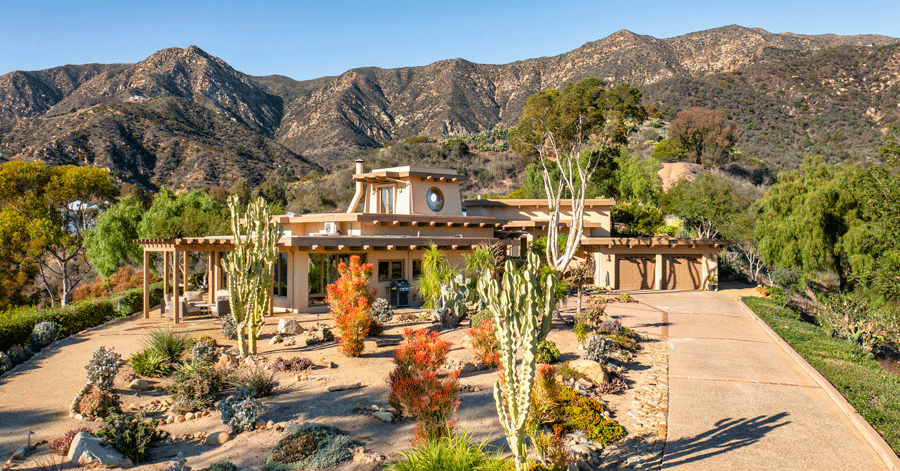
(592, 370)
(288, 327)
(384, 416)
(344, 387)
(139, 385)
(218, 438)
(227, 361)
(88, 450)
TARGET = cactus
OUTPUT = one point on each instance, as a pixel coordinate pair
(521, 318)
(249, 269)
(452, 307)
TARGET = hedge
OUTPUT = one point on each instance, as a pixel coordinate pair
(16, 324)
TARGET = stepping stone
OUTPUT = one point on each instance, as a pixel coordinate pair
(344, 387)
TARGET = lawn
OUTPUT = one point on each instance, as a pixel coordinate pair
(874, 392)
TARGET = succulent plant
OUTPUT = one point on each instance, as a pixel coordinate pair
(381, 310)
(597, 349)
(43, 333)
(229, 328)
(204, 352)
(452, 307)
(5, 362)
(240, 410)
(103, 367)
(17, 354)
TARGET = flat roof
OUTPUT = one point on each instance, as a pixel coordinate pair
(537, 202)
(392, 219)
(653, 242)
(383, 175)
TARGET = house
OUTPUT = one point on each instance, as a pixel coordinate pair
(404, 209)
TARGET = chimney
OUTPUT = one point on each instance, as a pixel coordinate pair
(360, 187)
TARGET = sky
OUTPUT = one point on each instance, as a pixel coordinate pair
(305, 40)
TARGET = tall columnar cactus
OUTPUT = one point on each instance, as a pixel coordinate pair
(249, 268)
(521, 318)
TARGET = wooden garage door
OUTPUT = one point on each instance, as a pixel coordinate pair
(635, 272)
(682, 273)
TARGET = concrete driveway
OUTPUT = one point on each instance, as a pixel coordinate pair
(737, 399)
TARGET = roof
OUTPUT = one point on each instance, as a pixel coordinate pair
(393, 219)
(653, 242)
(324, 242)
(387, 175)
(520, 203)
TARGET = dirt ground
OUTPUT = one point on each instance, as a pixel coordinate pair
(294, 401)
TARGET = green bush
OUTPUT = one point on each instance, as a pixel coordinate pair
(221, 466)
(309, 446)
(547, 352)
(194, 386)
(259, 382)
(150, 363)
(451, 454)
(131, 435)
(169, 342)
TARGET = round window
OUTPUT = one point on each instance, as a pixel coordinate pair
(435, 199)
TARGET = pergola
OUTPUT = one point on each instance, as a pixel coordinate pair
(182, 247)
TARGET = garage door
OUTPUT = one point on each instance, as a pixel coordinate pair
(682, 273)
(635, 272)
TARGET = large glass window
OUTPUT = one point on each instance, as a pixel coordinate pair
(387, 200)
(322, 272)
(280, 274)
(417, 269)
(390, 270)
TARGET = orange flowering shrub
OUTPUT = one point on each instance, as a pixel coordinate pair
(416, 388)
(485, 344)
(123, 279)
(349, 298)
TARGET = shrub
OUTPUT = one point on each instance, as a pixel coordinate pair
(150, 363)
(294, 364)
(16, 325)
(309, 446)
(594, 315)
(61, 445)
(258, 382)
(375, 328)
(610, 326)
(850, 317)
(452, 453)
(168, 342)
(597, 349)
(96, 402)
(626, 298)
(581, 331)
(550, 449)
(43, 334)
(327, 335)
(204, 352)
(479, 317)
(484, 342)
(5, 363)
(416, 388)
(103, 367)
(221, 466)
(131, 435)
(194, 386)
(209, 340)
(381, 311)
(547, 352)
(240, 410)
(229, 327)
(18, 355)
(349, 298)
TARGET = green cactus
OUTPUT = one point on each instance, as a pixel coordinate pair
(452, 307)
(521, 318)
(249, 269)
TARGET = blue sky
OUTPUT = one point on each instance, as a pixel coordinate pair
(305, 40)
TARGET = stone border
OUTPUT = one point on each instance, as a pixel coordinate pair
(884, 451)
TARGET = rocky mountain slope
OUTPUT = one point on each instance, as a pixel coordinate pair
(185, 118)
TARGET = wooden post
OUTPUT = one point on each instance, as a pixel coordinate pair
(166, 275)
(176, 302)
(146, 284)
(211, 294)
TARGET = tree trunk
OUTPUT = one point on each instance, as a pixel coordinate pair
(578, 309)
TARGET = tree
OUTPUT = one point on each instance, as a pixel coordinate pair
(110, 244)
(637, 178)
(54, 207)
(801, 219)
(708, 203)
(704, 134)
(193, 214)
(574, 130)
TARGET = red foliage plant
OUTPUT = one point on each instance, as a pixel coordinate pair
(123, 279)
(416, 388)
(349, 298)
(485, 344)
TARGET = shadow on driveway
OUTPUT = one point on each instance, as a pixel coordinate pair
(728, 435)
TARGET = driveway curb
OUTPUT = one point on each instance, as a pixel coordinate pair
(870, 434)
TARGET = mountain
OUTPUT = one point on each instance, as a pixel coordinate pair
(185, 118)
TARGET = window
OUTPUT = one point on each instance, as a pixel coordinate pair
(323, 271)
(280, 274)
(417, 269)
(390, 270)
(387, 200)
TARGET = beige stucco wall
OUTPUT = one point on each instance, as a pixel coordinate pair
(452, 200)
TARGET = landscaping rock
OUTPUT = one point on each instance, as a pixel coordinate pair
(344, 387)
(591, 369)
(469, 367)
(387, 342)
(139, 385)
(384, 416)
(288, 327)
(218, 438)
(19, 454)
(88, 450)
(227, 361)
(270, 425)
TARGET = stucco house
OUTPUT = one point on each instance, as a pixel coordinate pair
(397, 212)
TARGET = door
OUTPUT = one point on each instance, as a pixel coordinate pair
(683, 273)
(635, 272)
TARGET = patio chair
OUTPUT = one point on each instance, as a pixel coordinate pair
(187, 308)
(221, 307)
